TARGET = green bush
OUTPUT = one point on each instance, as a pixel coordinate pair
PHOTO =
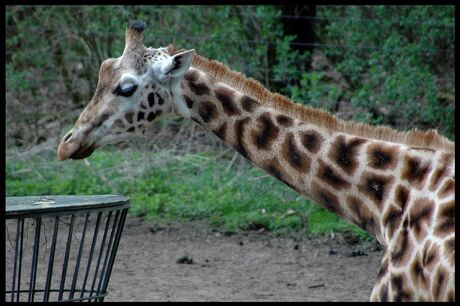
(398, 61)
(395, 57)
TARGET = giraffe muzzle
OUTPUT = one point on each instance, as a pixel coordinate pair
(72, 151)
(71, 147)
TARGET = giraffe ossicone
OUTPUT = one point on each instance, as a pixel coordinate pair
(398, 186)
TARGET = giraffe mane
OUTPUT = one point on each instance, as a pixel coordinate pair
(429, 139)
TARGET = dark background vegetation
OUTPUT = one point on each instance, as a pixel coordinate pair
(391, 65)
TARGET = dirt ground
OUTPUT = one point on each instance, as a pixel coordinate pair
(192, 262)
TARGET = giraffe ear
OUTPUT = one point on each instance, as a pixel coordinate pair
(179, 63)
(175, 66)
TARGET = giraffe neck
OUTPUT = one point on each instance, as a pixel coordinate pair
(319, 163)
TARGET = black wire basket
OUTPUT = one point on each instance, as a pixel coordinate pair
(61, 248)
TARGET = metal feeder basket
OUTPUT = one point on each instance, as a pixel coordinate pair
(61, 248)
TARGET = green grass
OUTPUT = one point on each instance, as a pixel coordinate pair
(167, 188)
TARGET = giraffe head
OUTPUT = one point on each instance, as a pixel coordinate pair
(132, 90)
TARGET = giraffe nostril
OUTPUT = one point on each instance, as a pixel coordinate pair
(67, 137)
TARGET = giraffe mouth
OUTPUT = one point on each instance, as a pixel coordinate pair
(83, 152)
(74, 151)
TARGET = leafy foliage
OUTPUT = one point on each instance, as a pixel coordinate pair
(394, 60)
(397, 62)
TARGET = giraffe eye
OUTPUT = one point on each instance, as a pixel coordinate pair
(125, 90)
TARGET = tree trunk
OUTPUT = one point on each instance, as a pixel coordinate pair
(298, 20)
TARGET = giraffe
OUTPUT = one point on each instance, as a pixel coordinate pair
(398, 186)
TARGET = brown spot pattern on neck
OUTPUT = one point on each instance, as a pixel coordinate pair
(296, 158)
(267, 134)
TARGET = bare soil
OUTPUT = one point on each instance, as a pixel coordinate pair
(191, 262)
